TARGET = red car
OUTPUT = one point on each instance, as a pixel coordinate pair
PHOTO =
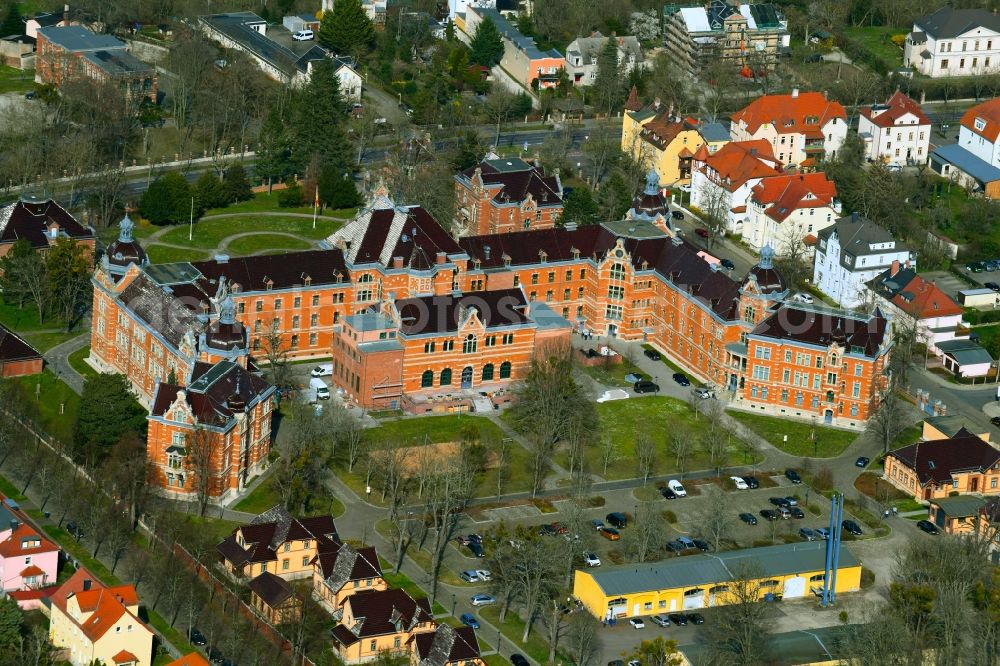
(560, 528)
(701, 232)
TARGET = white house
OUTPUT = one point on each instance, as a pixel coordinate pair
(954, 42)
(583, 53)
(850, 253)
(974, 162)
(801, 127)
(896, 132)
(788, 211)
(721, 183)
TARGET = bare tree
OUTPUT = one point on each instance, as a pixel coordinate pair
(502, 451)
(278, 371)
(582, 639)
(715, 521)
(741, 631)
(119, 536)
(203, 449)
(642, 541)
(887, 422)
(497, 109)
(645, 454)
(448, 494)
(681, 445)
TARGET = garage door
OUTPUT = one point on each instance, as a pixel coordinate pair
(795, 588)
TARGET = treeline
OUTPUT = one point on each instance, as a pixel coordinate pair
(56, 283)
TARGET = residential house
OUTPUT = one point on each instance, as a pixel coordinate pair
(41, 222)
(40, 20)
(974, 162)
(277, 543)
(946, 427)
(93, 623)
(274, 599)
(447, 646)
(963, 464)
(657, 138)
(192, 659)
(28, 560)
(956, 515)
(787, 212)
(522, 59)
(378, 622)
(897, 132)
(375, 9)
(810, 362)
(749, 36)
(506, 194)
(66, 53)
(954, 42)
(721, 183)
(919, 302)
(850, 253)
(802, 128)
(344, 570)
(17, 357)
(274, 51)
(583, 54)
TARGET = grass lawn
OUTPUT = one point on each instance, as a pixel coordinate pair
(218, 528)
(161, 254)
(612, 374)
(265, 202)
(265, 495)
(403, 582)
(876, 40)
(619, 422)
(273, 243)
(830, 442)
(495, 659)
(209, 234)
(46, 341)
(513, 628)
(52, 393)
(16, 80)
(879, 489)
(24, 319)
(77, 363)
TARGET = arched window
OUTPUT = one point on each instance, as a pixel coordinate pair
(470, 344)
(365, 278)
(505, 370)
(617, 272)
(487, 372)
(427, 379)
(445, 377)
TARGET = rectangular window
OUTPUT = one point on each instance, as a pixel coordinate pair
(857, 389)
(277, 304)
(857, 369)
(315, 300)
(552, 276)
(534, 278)
(297, 302)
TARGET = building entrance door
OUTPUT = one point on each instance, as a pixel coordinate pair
(467, 377)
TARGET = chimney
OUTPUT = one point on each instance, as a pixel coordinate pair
(486, 252)
(222, 258)
(66, 14)
(895, 268)
(441, 258)
(795, 93)
(656, 104)
(86, 584)
(397, 262)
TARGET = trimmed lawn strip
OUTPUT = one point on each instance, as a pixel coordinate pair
(272, 243)
(421, 556)
(264, 202)
(403, 582)
(161, 254)
(16, 80)
(77, 363)
(52, 392)
(830, 442)
(513, 628)
(209, 234)
(494, 659)
(876, 40)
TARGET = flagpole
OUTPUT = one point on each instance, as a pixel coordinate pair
(315, 206)
(191, 223)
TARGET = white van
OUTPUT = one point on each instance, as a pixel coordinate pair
(324, 370)
(303, 35)
(319, 389)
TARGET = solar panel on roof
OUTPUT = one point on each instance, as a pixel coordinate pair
(163, 274)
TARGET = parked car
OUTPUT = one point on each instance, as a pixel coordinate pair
(701, 231)
(598, 524)
(779, 501)
(559, 528)
(484, 575)
(695, 618)
(797, 512)
(677, 215)
(322, 370)
(660, 620)
(476, 549)
(807, 534)
(928, 526)
(682, 379)
(804, 298)
(74, 530)
(688, 543)
(704, 393)
(791, 500)
(196, 637)
(475, 538)
(677, 487)
(739, 483)
(609, 533)
(823, 533)
(992, 285)
(322, 393)
(519, 660)
(469, 576)
(675, 546)
(616, 519)
(852, 527)
(303, 35)
(646, 387)
(784, 513)
(701, 545)
(793, 476)
(748, 518)
(652, 355)
(974, 267)
(667, 493)
(546, 530)
(637, 623)
(678, 618)
(591, 560)
(767, 514)
(752, 482)
(862, 461)
(728, 264)
(995, 421)
(482, 599)
(469, 620)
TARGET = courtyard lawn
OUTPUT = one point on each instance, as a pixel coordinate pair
(265, 244)
(24, 319)
(876, 39)
(265, 496)
(613, 374)
(209, 234)
(77, 363)
(264, 202)
(513, 628)
(16, 80)
(830, 442)
(53, 395)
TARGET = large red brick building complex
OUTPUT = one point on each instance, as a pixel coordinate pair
(506, 194)
(72, 51)
(41, 222)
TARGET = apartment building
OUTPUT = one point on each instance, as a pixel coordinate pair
(278, 543)
(954, 42)
(583, 54)
(787, 212)
(896, 132)
(522, 59)
(974, 161)
(373, 623)
(721, 184)
(802, 128)
(344, 570)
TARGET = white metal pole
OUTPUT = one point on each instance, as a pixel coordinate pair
(191, 223)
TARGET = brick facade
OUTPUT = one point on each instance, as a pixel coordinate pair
(501, 195)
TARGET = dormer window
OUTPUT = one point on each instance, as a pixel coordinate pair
(980, 124)
(543, 256)
(306, 279)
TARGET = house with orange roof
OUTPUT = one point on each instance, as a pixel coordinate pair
(896, 132)
(193, 659)
(721, 183)
(788, 211)
(93, 623)
(974, 162)
(28, 560)
(661, 140)
(802, 128)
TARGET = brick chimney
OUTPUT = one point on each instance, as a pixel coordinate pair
(397, 262)
(795, 93)
(894, 269)
(441, 258)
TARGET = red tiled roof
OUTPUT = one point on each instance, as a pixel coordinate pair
(738, 162)
(124, 657)
(193, 659)
(663, 129)
(633, 103)
(989, 111)
(12, 545)
(783, 195)
(32, 570)
(788, 114)
(912, 294)
(41, 593)
(106, 605)
(936, 460)
(899, 105)
(14, 348)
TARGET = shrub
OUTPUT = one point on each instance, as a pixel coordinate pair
(670, 516)
(616, 556)
(867, 579)
(823, 480)
(291, 197)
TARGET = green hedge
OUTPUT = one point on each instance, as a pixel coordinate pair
(974, 316)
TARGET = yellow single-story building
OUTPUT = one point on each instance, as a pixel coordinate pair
(790, 570)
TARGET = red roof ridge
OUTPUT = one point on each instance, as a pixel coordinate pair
(988, 111)
(795, 107)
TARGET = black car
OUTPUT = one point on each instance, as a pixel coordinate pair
(682, 379)
(852, 527)
(793, 476)
(927, 526)
(646, 387)
(992, 285)
(475, 538)
(751, 482)
(616, 519)
(678, 619)
(701, 545)
(797, 512)
(995, 421)
(519, 660)
(862, 461)
(476, 549)
(675, 546)
(767, 514)
(726, 263)
(780, 501)
(748, 518)
(696, 618)
(196, 637)
(677, 215)
(74, 530)
(652, 355)
(668, 493)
